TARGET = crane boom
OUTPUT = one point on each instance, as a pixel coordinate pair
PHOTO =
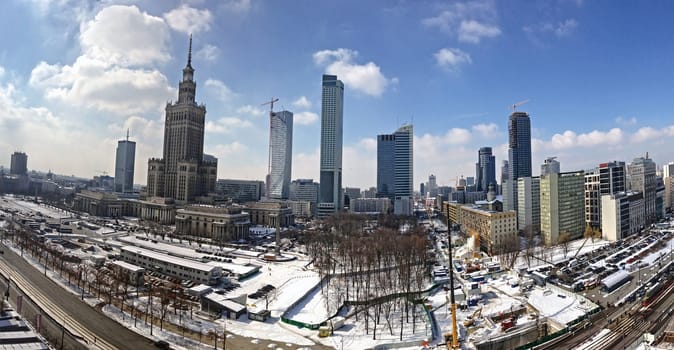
(515, 105)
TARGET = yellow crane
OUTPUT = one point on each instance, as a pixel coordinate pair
(452, 343)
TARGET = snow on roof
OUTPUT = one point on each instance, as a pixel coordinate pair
(615, 278)
(170, 259)
(127, 266)
(200, 288)
(241, 270)
(224, 302)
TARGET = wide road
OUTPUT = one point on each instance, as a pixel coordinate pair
(95, 322)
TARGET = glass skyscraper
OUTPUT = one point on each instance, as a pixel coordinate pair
(124, 165)
(485, 169)
(395, 167)
(331, 197)
(281, 149)
(519, 155)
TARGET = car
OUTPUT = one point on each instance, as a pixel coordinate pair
(162, 344)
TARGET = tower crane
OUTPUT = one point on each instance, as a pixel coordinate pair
(515, 105)
(271, 115)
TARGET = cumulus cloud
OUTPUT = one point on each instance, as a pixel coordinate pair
(220, 90)
(450, 58)
(566, 27)
(305, 118)
(366, 78)
(469, 22)
(227, 125)
(626, 121)
(570, 139)
(251, 111)
(486, 130)
(537, 32)
(114, 72)
(208, 53)
(189, 20)
(301, 102)
(237, 6)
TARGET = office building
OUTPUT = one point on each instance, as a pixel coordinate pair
(370, 205)
(124, 165)
(332, 101)
(485, 169)
(668, 181)
(496, 231)
(519, 155)
(550, 166)
(641, 174)
(281, 154)
(529, 205)
(183, 173)
(218, 224)
(623, 214)
(394, 168)
(239, 191)
(352, 192)
(608, 178)
(562, 206)
(432, 186)
(304, 190)
(506, 187)
(19, 164)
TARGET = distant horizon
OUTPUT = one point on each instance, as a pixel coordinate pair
(596, 90)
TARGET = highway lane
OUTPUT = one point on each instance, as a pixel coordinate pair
(81, 318)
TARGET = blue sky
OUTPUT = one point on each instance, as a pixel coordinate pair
(74, 75)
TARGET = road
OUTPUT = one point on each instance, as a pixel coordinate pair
(63, 305)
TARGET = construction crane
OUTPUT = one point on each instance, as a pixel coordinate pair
(271, 125)
(452, 343)
(515, 105)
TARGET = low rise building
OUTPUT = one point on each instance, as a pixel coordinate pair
(270, 214)
(173, 266)
(220, 224)
(622, 215)
(370, 205)
(496, 231)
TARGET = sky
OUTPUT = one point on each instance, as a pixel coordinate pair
(598, 76)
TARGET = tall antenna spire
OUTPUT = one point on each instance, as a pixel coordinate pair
(127, 134)
(189, 54)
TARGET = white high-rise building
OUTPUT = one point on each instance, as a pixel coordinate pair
(124, 165)
(281, 149)
(331, 196)
(529, 205)
(642, 179)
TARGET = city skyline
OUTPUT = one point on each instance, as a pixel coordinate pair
(80, 85)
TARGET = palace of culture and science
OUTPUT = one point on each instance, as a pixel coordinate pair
(185, 173)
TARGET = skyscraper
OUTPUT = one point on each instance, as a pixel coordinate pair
(608, 178)
(642, 178)
(19, 164)
(124, 165)
(562, 207)
(519, 154)
(281, 149)
(395, 168)
(183, 173)
(485, 169)
(550, 166)
(332, 101)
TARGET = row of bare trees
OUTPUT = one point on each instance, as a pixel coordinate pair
(380, 273)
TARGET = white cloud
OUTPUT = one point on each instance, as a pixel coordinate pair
(570, 139)
(305, 118)
(467, 21)
(302, 102)
(450, 58)
(251, 110)
(189, 20)
(2, 72)
(366, 78)
(566, 28)
(114, 73)
(486, 130)
(227, 125)
(237, 6)
(221, 91)
(473, 31)
(125, 36)
(208, 53)
(626, 121)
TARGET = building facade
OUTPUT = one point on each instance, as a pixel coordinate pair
(519, 155)
(497, 230)
(181, 268)
(622, 215)
(124, 165)
(562, 206)
(529, 205)
(485, 169)
(270, 214)
(19, 164)
(305, 190)
(395, 168)
(550, 166)
(219, 224)
(183, 173)
(370, 205)
(641, 173)
(608, 178)
(331, 197)
(281, 154)
(240, 191)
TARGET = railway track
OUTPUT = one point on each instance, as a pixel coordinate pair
(54, 311)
